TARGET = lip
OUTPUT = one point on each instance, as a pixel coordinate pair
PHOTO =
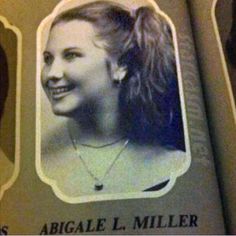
(59, 92)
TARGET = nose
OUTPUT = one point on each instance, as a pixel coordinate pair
(55, 71)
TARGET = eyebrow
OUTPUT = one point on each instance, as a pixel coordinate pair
(65, 50)
(72, 48)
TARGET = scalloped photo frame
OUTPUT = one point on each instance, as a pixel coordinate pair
(224, 62)
(13, 98)
(47, 124)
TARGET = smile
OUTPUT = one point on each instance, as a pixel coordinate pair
(58, 92)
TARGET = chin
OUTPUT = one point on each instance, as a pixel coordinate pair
(59, 113)
(63, 112)
(65, 107)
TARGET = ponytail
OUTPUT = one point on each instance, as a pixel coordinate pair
(154, 39)
(151, 59)
(150, 94)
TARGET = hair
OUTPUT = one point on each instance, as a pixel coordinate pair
(4, 80)
(231, 42)
(142, 42)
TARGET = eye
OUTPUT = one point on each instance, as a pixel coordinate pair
(70, 56)
(48, 58)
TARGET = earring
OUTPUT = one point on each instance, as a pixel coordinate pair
(117, 80)
(119, 74)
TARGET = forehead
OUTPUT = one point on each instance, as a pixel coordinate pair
(71, 34)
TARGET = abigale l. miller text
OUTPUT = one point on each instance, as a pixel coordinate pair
(138, 223)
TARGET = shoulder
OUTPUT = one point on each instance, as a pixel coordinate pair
(156, 153)
(154, 165)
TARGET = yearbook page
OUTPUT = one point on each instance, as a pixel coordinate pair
(112, 129)
(214, 31)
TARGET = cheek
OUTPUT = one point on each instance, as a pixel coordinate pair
(90, 71)
(76, 72)
(99, 80)
(44, 76)
(99, 71)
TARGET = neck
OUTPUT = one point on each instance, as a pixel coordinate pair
(98, 119)
(107, 116)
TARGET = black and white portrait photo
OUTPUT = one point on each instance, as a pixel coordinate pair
(111, 114)
(225, 13)
(9, 130)
(6, 165)
(231, 48)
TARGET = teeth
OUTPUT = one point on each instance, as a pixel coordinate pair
(56, 91)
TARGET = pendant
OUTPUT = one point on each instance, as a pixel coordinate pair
(98, 185)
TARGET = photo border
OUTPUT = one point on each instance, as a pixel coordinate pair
(223, 59)
(116, 196)
(8, 26)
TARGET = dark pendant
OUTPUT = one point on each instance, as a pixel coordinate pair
(98, 186)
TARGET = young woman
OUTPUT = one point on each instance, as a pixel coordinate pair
(112, 71)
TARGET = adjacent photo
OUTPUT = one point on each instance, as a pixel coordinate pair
(9, 113)
(111, 118)
(225, 13)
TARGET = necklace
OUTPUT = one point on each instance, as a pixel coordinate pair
(98, 186)
(102, 146)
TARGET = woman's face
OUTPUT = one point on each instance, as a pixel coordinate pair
(75, 68)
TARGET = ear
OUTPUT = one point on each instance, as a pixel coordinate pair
(118, 73)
